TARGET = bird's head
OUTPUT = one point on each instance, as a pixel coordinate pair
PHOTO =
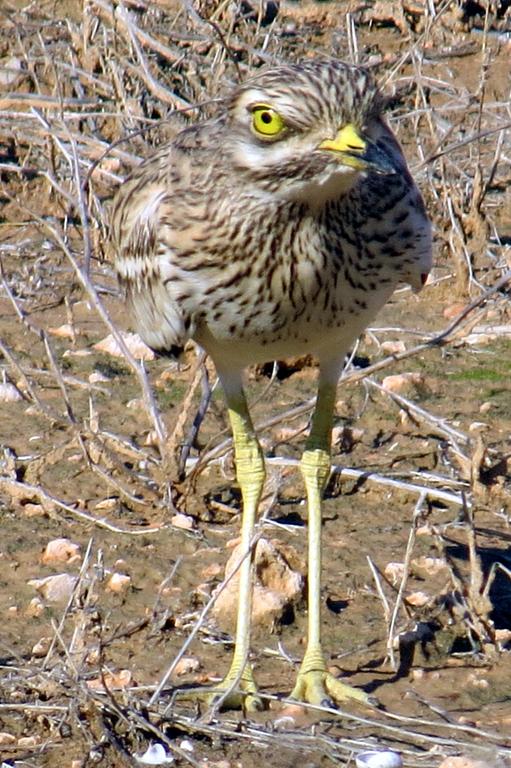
(306, 132)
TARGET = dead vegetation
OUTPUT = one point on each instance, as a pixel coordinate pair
(130, 459)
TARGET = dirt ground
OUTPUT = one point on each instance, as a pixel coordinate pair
(416, 579)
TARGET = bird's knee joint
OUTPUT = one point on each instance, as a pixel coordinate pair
(315, 465)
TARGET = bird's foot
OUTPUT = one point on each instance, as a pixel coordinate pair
(237, 692)
(315, 685)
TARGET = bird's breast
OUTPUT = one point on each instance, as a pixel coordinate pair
(290, 299)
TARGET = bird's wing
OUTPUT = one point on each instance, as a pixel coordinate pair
(144, 261)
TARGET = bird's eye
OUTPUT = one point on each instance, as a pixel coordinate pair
(266, 121)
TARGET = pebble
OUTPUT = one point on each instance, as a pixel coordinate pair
(61, 551)
(186, 665)
(41, 648)
(277, 584)
(55, 589)
(428, 565)
(26, 742)
(133, 342)
(400, 382)
(394, 572)
(393, 347)
(118, 583)
(9, 393)
(417, 599)
(33, 510)
(379, 759)
(185, 522)
(65, 331)
(35, 607)
(11, 70)
(112, 680)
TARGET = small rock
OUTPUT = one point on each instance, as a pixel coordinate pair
(151, 439)
(6, 738)
(394, 572)
(292, 716)
(428, 566)
(133, 342)
(284, 723)
(183, 521)
(479, 337)
(155, 754)
(41, 648)
(186, 665)
(65, 331)
(93, 657)
(384, 758)
(55, 589)
(168, 376)
(277, 583)
(479, 682)
(137, 404)
(285, 433)
(61, 551)
(35, 608)
(26, 742)
(112, 680)
(118, 583)
(34, 510)
(9, 393)
(107, 505)
(402, 382)
(503, 636)
(393, 347)
(289, 30)
(11, 70)
(418, 599)
(77, 353)
(96, 377)
(187, 745)
(477, 427)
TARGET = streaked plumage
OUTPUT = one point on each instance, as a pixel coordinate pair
(279, 227)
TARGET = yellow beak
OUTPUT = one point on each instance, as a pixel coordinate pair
(358, 152)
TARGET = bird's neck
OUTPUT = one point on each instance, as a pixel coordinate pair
(318, 192)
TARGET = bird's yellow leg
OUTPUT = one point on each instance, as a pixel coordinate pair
(314, 684)
(238, 688)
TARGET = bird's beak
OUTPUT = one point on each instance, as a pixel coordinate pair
(355, 150)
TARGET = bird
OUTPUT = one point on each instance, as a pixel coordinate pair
(277, 227)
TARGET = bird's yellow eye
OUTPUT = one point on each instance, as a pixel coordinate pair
(266, 121)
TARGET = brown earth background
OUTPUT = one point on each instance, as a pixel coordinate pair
(416, 584)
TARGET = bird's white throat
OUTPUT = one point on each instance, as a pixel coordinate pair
(315, 192)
